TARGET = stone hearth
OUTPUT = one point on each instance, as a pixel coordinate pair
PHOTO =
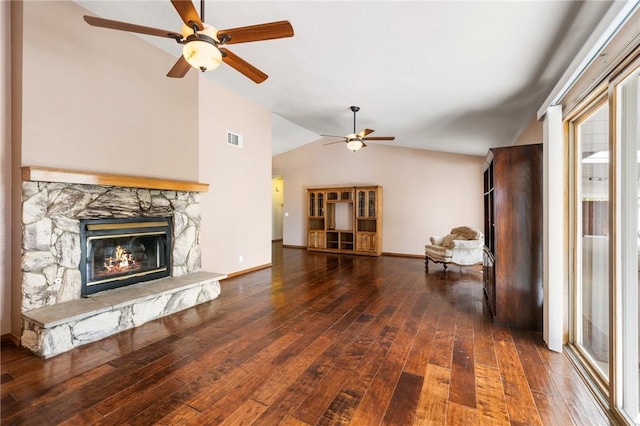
(55, 316)
(56, 329)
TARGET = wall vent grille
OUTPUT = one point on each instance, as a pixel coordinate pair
(234, 139)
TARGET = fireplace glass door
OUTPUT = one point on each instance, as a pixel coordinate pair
(120, 252)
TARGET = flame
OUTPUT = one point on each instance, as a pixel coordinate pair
(122, 260)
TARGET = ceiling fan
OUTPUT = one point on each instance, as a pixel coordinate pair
(203, 43)
(355, 141)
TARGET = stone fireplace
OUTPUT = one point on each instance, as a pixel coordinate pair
(100, 258)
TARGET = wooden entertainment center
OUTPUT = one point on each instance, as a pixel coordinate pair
(345, 220)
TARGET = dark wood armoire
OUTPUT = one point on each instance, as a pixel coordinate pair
(513, 235)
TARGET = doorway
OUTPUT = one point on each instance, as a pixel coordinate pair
(277, 207)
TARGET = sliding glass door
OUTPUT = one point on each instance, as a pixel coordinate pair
(605, 217)
(627, 341)
(592, 242)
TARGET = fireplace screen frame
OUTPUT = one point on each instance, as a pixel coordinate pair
(91, 229)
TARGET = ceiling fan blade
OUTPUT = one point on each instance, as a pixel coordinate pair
(334, 136)
(123, 26)
(380, 138)
(242, 66)
(188, 13)
(364, 133)
(332, 143)
(180, 68)
(268, 31)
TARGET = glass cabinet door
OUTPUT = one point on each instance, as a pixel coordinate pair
(366, 199)
(312, 204)
(361, 203)
(372, 204)
(320, 204)
(316, 203)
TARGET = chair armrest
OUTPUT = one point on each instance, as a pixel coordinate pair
(437, 241)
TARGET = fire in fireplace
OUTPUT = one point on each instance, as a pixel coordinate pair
(120, 252)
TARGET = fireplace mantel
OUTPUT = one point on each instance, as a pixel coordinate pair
(45, 174)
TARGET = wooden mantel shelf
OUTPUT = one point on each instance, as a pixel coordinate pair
(44, 174)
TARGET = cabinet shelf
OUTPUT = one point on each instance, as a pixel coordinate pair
(316, 224)
(367, 225)
(339, 239)
(333, 241)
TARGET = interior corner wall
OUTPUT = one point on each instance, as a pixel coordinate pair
(99, 100)
(532, 134)
(5, 169)
(425, 193)
(236, 211)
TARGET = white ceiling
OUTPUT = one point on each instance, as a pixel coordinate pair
(442, 75)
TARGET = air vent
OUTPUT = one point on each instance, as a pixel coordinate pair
(234, 139)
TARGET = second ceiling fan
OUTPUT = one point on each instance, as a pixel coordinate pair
(355, 141)
(203, 43)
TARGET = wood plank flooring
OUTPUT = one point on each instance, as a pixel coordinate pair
(316, 339)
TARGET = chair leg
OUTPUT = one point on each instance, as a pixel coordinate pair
(426, 264)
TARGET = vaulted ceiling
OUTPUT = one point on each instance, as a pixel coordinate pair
(454, 76)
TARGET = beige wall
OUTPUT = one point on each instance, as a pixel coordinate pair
(532, 134)
(99, 100)
(236, 211)
(425, 192)
(5, 168)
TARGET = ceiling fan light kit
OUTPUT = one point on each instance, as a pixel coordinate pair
(354, 144)
(200, 50)
(202, 55)
(202, 43)
(355, 141)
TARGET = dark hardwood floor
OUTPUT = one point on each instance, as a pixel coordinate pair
(316, 339)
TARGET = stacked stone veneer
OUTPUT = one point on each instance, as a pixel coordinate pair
(51, 214)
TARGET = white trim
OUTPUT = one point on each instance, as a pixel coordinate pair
(553, 229)
(613, 20)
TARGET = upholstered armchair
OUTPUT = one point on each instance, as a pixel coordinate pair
(462, 246)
